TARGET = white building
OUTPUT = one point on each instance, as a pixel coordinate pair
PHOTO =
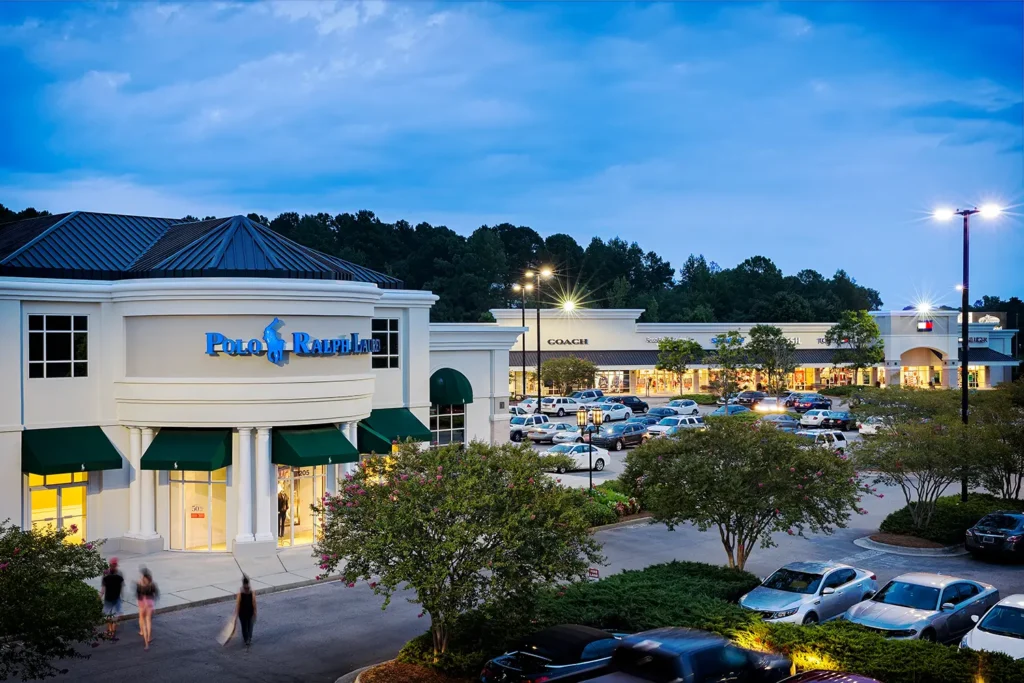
(196, 386)
(920, 348)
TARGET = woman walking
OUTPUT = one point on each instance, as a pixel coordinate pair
(245, 610)
(146, 593)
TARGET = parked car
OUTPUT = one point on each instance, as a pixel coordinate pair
(662, 412)
(730, 410)
(553, 654)
(520, 425)
(581, 454)
(529, 404)
(548, 431)
(806, 402)
(665, 423)
(832, 439)
(786, 423)
(619, 436)
(813, 418)
(611, 412)
(684, 423)
(870, 426)
(770, 404)
(645, 420)
(810, 592)
(822, 676)
(925, 606)
(997, 533)
(685, 406)
(1000, 630)
(574, 435)
(518, 410)
(587, 395)
(633, 403)
(681, 654)
(836, 419)
(559, 405)
(725, 400)
(750, 398)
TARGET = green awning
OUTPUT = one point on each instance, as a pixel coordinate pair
(450, 387)
(199, 450)
(67, 449)
(310, 446)
(390, 424)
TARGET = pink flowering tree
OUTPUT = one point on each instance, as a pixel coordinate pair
(746, 482)
(463, 528)
(46, 608)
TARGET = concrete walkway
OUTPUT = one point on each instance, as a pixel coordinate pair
(190, 579)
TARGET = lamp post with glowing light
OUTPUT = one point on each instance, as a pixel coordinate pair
(583, 420)
(538, 275)
(987, 211)
(524, 288)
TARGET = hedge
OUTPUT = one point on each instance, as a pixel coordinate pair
(605, 505)
(951, 518)
(696, 595)
(842, 390)
(702, 399)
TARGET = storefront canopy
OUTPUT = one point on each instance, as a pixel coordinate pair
(70, 449)
(390, 424)
(199, 450)
(450, 387)
(310, 446)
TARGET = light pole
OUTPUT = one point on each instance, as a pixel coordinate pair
(538, 275)
(524, 288)
(583, 422)
(988, 211)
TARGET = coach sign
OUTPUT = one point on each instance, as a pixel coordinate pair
(302, 344)
(568, 342)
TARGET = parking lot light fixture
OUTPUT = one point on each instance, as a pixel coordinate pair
(991, 211)
(542, 273)
(523, 289)
(581, 418)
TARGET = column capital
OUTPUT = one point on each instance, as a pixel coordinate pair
(146, 431)
(244, 430)
(263, 431)
(134, 430)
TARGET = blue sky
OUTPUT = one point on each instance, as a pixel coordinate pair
(818, 134)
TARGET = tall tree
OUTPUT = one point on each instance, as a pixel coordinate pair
(676, 355)
(568, 373)
(729, 357)
(858, 339)
(773, 354)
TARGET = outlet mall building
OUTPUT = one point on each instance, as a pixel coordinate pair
(920, 349)
(196, 386)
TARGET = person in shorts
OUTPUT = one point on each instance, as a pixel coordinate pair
(110, 590)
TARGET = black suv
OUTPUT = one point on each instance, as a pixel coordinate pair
(750, 398)
(997, 533)
(631, 402)
(615, 437)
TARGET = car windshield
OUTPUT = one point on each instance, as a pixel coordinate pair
(999, 521)
(613, 429)
(518, 420)
(908, 595)
(561, 448)
(547, 400)
(1004, 621)
(793, 581)
(669, 421)
(807, 436)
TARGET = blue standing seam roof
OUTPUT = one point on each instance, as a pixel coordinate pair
(85, 245)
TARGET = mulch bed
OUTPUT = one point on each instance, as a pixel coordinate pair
(905, 541)
(399, 672)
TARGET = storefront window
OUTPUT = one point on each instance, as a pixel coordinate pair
(613, 381)
(297, 489)
(448, 424)
(915, 376)
(58, 500)
(199, 510)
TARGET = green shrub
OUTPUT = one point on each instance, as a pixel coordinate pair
(612, 486)
(702, 399)
(843, 390)
(951, 518)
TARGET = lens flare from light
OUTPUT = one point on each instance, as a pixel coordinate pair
(943, 214)
(991, 211)
(923, 307)
(568, 305)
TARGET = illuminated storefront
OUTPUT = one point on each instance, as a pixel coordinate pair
(198, 510)
(58, 500)
(297, 489)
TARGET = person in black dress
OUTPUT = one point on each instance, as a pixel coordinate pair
(245, 610)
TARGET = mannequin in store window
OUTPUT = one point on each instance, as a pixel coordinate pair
(282, 511)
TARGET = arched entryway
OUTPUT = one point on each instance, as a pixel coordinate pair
(923, 366)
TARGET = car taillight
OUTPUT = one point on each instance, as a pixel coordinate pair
(1013, 539)
(542, 679)
(872, 577)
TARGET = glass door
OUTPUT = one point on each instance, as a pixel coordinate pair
(297, 489)
(199, 511)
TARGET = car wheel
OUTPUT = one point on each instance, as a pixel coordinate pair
(517, 436)
(560, 470)
(561, 412)
(599, 464)
(928, 635)
(619, 445)
(696, 411)
(579, 439)
(810, 619)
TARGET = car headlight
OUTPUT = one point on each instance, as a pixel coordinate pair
(963, 644)
(785, 613)
(902, 633)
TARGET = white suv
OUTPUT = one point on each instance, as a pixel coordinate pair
(520, 425)
(559, 405)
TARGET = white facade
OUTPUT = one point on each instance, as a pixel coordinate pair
(147, 368)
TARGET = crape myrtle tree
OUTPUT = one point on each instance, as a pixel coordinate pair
(1000, 419)
(463, 527)
(773, 354)
(46, 608)
(567, 373)
(747, 483)
(858, 341)
(729, 357)
(676, 355)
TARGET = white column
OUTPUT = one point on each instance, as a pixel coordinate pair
(266, 484)
(352, 434)
(147, 498)
(134, 485)
(243, 485)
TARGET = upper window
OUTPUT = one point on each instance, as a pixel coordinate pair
(58, 346)
(385, 331)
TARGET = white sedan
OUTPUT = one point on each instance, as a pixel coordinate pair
(529, 404)
(611, 412)
(548, 432)
(582, 455)
(685, 406)
(1000, 630)
(813, 418)
(871, 426)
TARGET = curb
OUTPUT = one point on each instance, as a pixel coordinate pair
(618, 525)
(948, 551)
(228, 598)
(353, 676)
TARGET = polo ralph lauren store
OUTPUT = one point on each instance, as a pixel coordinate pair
(195, 387)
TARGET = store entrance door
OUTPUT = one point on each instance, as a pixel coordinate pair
(297, 489)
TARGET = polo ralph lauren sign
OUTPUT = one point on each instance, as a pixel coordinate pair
(274, 346)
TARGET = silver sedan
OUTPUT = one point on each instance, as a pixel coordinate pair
(810, 592)
(550, 431)
(925, 606)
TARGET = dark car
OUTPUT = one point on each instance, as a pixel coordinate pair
(554, 654)
(750, 398)
(807, 402)
(838, 420)
(997, 533)
(618, 436)
(791, 397)
(729, 410)
(631, 402)
(645, 420)
(682, 654)
(820, 676)
(662, 412)
(785, 423)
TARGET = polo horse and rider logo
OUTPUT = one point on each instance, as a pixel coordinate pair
(275, 343)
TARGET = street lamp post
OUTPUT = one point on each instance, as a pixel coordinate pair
(524, 288)
(538, 275)
(988, 211)
(583, 420)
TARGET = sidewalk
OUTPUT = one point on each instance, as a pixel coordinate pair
(191, 579)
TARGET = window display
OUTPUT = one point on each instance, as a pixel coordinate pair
(297, 489)
(198, 510)
(58, 500)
